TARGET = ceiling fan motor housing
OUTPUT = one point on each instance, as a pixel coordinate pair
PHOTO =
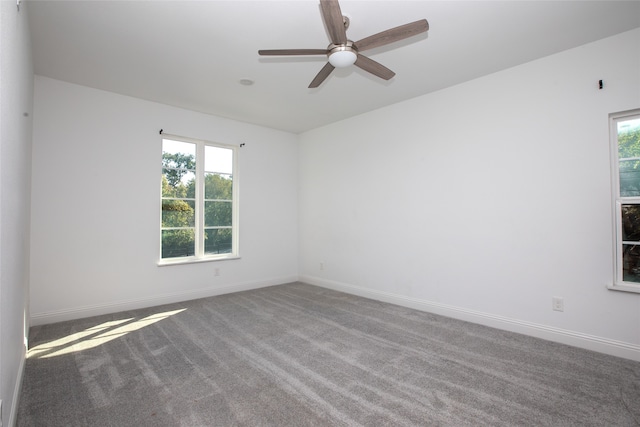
(342, 55)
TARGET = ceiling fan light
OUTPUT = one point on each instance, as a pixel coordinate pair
(342, 58)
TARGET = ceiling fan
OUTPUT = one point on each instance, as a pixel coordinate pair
(343, 52)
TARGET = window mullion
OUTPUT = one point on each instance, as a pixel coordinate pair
(199, 222)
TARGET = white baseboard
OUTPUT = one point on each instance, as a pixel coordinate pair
(13, 410)
(169, 298)
(563, 336)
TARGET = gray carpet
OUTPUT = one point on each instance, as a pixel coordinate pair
(299, 355)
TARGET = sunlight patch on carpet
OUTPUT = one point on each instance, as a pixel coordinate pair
(95, 336)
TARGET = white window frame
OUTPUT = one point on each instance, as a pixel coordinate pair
(199, 255)
(618, 283)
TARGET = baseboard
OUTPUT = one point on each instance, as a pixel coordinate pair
(169, 298)
(563, 336)
(13, 414)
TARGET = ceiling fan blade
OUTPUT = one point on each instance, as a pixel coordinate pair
(321, 76)
(275, 52)
(334, 21)
(392, 35)
(374, 67)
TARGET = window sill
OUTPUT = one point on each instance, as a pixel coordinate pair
(624, 288)
(181, 261)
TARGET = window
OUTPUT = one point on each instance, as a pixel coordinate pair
(199, 201)
(625, 154)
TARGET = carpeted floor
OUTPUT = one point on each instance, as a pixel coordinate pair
(299, 355)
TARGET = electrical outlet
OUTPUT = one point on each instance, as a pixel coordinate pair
(557, 304)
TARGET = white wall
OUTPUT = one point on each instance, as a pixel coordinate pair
(482, 201)
(95, 221)
(16, 106)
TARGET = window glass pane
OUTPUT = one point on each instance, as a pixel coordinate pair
(217, 214)
(218, 186)
(178, 243)
(178, 213)
(185, 149)
(178, 183)
(629, 177)
(218, 159)
(217, 241)
(631, 223)
(631, 263)
(629, 157)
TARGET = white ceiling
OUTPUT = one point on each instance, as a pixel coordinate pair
(192, 54)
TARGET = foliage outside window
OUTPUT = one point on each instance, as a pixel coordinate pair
(625, 149)
(199, 201)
